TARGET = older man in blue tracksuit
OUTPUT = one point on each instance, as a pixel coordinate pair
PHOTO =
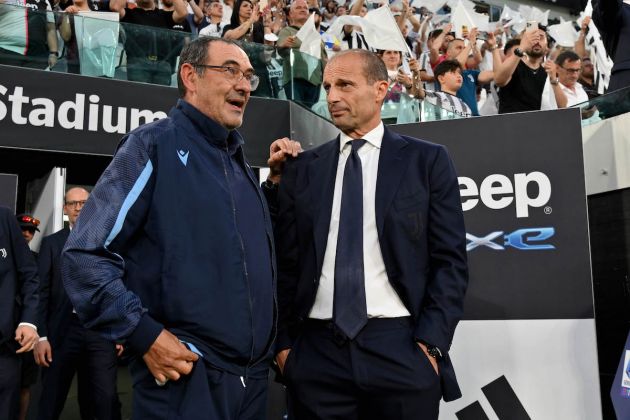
(173, 252)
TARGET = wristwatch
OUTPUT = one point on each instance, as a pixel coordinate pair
(554, 81)
(518, 52)
(433, 351)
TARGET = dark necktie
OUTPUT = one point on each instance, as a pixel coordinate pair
(349, 307)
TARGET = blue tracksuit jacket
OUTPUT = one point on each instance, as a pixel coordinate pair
(176, 234)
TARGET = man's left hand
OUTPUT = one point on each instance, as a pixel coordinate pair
(278, 153)
(27, 337)
(431, 359)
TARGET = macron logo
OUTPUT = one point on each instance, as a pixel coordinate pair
(183, 156)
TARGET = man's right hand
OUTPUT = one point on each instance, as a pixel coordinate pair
(168, 358)
(43, 353)
(281, 359)
(279, 151)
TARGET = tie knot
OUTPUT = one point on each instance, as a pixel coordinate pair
(357, 144)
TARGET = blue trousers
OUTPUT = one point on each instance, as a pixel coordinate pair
(205, 394)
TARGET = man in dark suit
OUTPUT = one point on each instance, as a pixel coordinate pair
(75, 349)
(18, 310)
(372, 262)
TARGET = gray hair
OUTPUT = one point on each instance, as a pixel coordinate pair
(196, 52)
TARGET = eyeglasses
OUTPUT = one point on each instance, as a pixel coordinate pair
(29, 219)
(233, 74)
(76, 204)
(571, 71)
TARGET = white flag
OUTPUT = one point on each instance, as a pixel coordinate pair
(310, 38)
(531, 13)
(564, 33)
(464, 16)
(432, 5)
(383, 32)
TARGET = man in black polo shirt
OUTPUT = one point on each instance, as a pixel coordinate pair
(521, 76)
(149, 50)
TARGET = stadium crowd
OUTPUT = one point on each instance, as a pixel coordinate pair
(511, 65)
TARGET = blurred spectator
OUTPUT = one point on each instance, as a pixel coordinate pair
(303, 79)
(274, 71)
(449, 74)
(472, 78)
(612, 18)
(426, 71)
(587, 78)
(31, 41)
(18, 310)
(564, 89)
(399, 83)
(28, 225)
(150, 55)
(192, 19)
(439, 46)
(245, 24)
(329, 12)
(521, 76)
(212, 24)
(66, 30)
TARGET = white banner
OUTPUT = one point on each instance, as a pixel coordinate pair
(549, 365)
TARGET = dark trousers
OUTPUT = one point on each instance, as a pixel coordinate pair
(94, 360)
(382, 374)
(9, 383)
(205, 394)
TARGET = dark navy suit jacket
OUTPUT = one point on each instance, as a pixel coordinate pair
(18, 280)
(55, 309)
(420, 228)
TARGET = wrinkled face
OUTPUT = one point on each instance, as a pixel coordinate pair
(569, 72)
(74, 202)
(539, 46)
(215, 10)
(353, 102)
(28, 234)
(451, 81)
(299, 11)
(391, 59)
(245, 11)
(214, 93)
(454, 48)
(588, 70)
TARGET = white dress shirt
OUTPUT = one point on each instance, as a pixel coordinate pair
(381, 298)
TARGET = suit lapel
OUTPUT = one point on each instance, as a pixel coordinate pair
(391, 167)
(322, 172)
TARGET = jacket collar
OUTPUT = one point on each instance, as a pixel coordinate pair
(213, 132)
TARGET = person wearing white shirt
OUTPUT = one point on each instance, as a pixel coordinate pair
(562, 88)
(213, 22)
(372, 268)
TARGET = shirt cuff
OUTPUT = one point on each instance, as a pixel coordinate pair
(28, 324)
(43, 338)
